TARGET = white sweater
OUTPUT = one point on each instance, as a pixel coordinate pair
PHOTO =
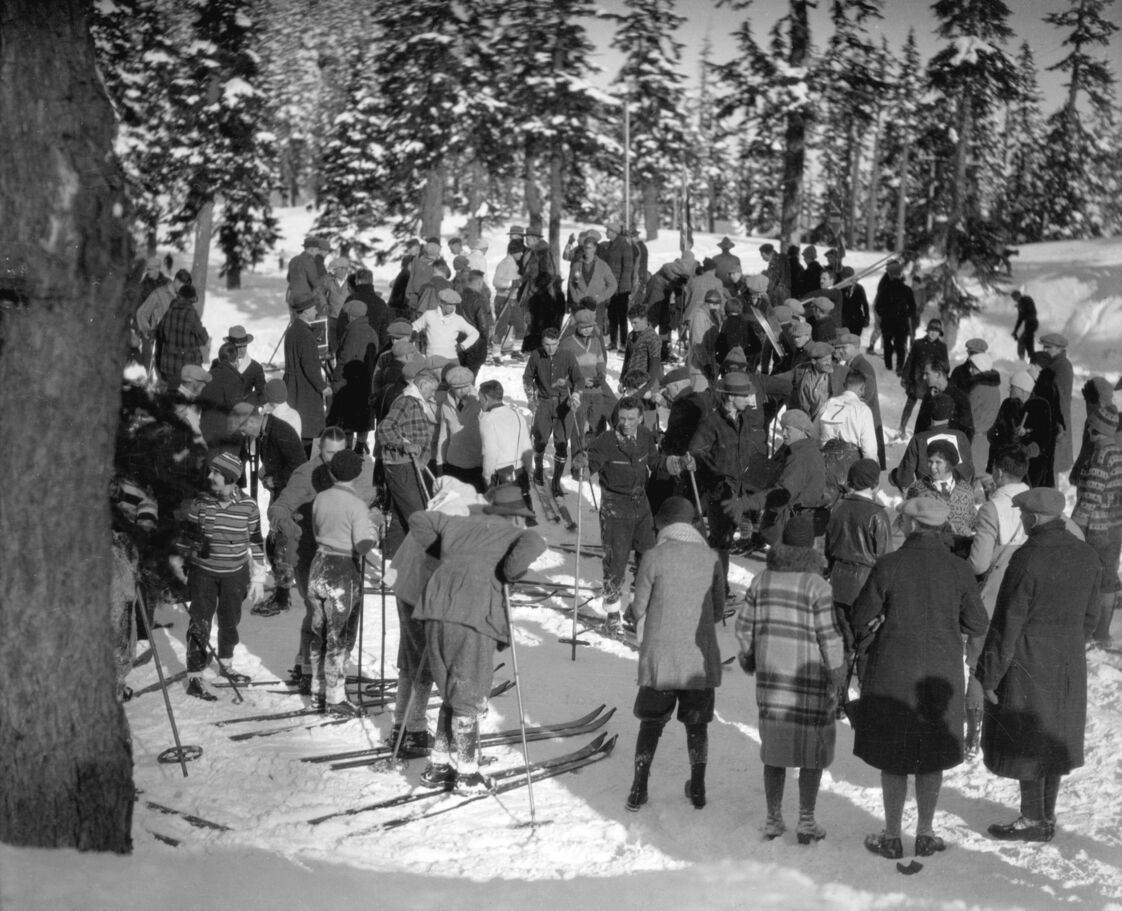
(504, 438)
(443, 333)
(847, 418)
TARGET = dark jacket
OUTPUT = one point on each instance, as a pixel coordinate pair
(179, 340)
(733, 451)
(1034, 657)
(855, 308)
(686, 414)
(913, 464)
(857, 535)
(377, 315)
(895, 304)
(281, 453)
(554, 377)
(1028, 424)
(303, 377)
(910, 717)
(802, 473)
(922, 351)
(354, 371)
(624, 465)
(620, 257)
(478, 554)
(217, 399)
(962, 419)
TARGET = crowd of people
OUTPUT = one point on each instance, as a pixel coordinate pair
(747, 419)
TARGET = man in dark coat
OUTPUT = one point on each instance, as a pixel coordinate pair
(624, 457)
(377, 312)
(1033, 668)
(306, 270)
(220, 395)
(895, 306)
(618, 253)
(687, 408)
(727, 263)
(855, 304)
(909, 620)
(659, 300)
(1055, 345)
(465, 619)
(938, 383)
(303, 372)
(354, 371)
(1025, 419)
(253, 374)
(1026, 317)
(931, 349)
(475, 307)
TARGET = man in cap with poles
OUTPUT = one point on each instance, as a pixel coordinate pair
(306, 270)
(465, 620)
(1033, 668)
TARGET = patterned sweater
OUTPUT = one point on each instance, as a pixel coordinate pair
(1099, 504)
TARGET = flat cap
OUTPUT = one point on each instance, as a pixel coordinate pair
(803, 330)
(976, 345)
(1054, 340)
(459, 376)
(448, 296)
(756, 283)
(354, 308)
(677, 375)
(800, 420)
(1042, 501)
(400, 328)
(820, 349)
(927, 510)
(584, 318)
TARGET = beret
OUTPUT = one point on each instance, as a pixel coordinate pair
(459, 376)
(863, 474)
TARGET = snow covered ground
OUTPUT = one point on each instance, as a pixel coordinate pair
(588, 851)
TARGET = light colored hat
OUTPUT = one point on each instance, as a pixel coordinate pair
(1054, 340)
(448, 296)
(982, 361)
(193, 373)
(800, 420)
(459, 376)
(1022, 380)
(339, 262)
(354, 308)
(929, 511)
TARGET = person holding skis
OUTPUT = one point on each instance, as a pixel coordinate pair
(465, 620)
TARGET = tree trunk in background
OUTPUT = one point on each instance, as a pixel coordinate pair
(556, 199)
(874, 177)
(65, 754)
(902, 199)
(474, 229)
(531, 191)
(204, 228)
(854, 191)
(794, 152)
(432, 202)
(650, 210)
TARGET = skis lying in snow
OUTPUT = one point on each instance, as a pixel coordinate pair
(597, 748)
(197, 821)
(549, 504)
(158, 685)
(512, 779)
(328, 721)
(498, 690)
(593, 721)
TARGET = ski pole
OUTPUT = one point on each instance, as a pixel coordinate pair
(521, 709)
(277, 347)
(361, 625)
(163, 683)
(576, 569)
(238, 698)
(425, 493)
(697, 501)
(409, 702)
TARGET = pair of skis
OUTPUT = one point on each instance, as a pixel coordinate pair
(555, 512)
(503, 780)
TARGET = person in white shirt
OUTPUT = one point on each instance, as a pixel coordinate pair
(477, 258)
(459, 452)
(505, 440)
(445, 330)
(276, 404)
(846, 417)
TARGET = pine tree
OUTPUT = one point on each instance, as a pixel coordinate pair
(849, 83)
(139, 61)
(651, 83)
(1024, 201)
(1075, 188)
(751, 98)
(973, 73)
(712, 172)
(224, 146)
(349, 176)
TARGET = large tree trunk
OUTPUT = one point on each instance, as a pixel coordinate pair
(204, 228)
(650, 210)
(432, 202)
(874, 179)
(794, 152)
(850, 228)
(65, 755)
(474, 229)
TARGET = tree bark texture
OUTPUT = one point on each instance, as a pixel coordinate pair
(65, 754)
(200, 264)
(650, 210)
(794, 139)
(476, 194)
(531, 192)
(556, 197)
(432, 202)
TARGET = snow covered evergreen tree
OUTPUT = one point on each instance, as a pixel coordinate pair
(652, 85)
(1075, 188)
(1024, 205)
(848, 80)
(974, 74)
(712, 148)
(139, 61)
(349, 177)
(223, 144)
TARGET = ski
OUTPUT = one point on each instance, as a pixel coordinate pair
(586, 550)
(367, 682)
(502, 774)
(497, 690)
(387, 747)
(157, 686)
(499, 738)
(566, 516)
(549, 506)
(197, 821)
(329, 721)
(599, 625)
(511, 782)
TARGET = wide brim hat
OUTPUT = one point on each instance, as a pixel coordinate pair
(735, 384)
(238, 336)
(507, 501)
(725, 244)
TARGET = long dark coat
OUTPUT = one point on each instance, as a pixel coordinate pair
(217, 399)
(303, 377)
(354, 370)
(910, 716)
(1034, 657)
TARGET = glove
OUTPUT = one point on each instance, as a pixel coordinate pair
(734, 507)
(747, 662)
(688, 462)
(1014, 334)
(674, 465)
(991, 697)
(580, 461)
(574, 401)
(257, 593)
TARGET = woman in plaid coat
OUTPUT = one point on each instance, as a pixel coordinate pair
(789, 639)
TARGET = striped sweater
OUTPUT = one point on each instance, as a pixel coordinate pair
(228, 532)
(1099, 506)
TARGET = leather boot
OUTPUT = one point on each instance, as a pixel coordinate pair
(558, 470)
(539, 471)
